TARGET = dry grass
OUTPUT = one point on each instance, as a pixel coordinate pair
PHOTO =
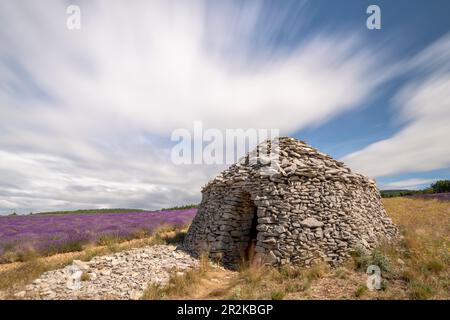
(18, 274)
(267, 283)
(422, 258)
(179, 286)
(85, 277)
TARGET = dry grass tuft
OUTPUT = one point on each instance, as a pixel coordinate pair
(85, 277)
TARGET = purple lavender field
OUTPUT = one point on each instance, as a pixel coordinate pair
(438, 196)
(47, 234)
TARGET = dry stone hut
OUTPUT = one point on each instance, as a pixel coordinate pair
(308, 207)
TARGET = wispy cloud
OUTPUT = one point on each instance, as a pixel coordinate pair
(411, 184)
(424, 108)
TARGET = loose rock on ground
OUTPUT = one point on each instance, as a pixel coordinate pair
(123, 275)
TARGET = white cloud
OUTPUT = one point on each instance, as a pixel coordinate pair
(410, 184)
(85, 115)
(424, 109)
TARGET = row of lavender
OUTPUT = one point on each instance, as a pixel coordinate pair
(46, 234)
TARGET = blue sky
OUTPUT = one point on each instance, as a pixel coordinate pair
(407, 28)
(87, 115)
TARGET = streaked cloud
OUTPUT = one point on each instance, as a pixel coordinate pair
(423, 110)
(411, 184)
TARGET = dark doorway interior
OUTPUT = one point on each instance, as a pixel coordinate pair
(250, 249)
(242, 243)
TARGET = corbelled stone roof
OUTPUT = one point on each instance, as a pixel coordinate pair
(296, 159)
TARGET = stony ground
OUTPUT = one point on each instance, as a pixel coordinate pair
(123, 275)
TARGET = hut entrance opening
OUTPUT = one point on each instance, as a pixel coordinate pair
(249, 221)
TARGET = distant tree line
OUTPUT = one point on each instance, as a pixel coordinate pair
(437, 187)
(92, 211)
(184, 207)
(441, 186)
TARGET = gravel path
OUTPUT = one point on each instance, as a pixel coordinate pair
(123, 275)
